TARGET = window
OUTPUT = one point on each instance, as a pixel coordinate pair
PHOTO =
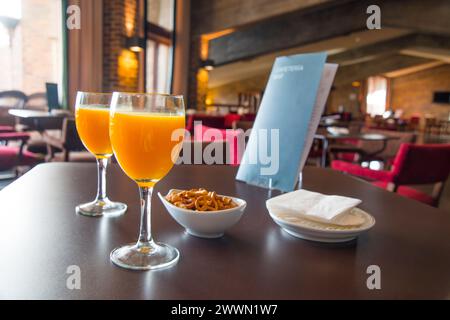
(376, 95)
(4, 37)
(30, 44)
(159, 56)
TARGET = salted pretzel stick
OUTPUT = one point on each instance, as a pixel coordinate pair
(200, 200)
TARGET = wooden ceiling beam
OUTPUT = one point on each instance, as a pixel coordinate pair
(289, 30)
(304, 27)
(389, 47)
(348, 74)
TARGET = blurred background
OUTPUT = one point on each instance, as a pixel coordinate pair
(393, 80)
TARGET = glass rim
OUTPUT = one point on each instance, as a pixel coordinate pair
(177, 96)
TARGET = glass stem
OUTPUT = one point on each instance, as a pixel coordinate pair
(145, 233)
(102, 163)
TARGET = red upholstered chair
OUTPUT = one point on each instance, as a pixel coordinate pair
(248, 117)
(413, 165)
(13, 156)
(4, 129)
(213, 121)
(231, 137)
(190, 123)
(230, 119)
(414, 122)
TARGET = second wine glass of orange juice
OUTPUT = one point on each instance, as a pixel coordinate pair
(92, 121)
(146, 132)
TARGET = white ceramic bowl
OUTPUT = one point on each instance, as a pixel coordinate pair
(211, 224)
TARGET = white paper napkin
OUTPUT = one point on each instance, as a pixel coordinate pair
(337, 131)
(317, 207)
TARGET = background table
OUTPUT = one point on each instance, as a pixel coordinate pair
(326, 137)
(39, 120)
(40, 236)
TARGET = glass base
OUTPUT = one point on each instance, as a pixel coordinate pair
(100, 208)
(149, 256)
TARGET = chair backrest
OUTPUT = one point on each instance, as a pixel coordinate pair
(355, 127)
(72, 141)
(235, 140)
(248, 117)
(421, 164)
(37, 101)
(13, 99)
(230, 119)
(190, 123)
(414, 119)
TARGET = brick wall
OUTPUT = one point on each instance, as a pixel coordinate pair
(346, 96)
(120, 66)
(414, 92)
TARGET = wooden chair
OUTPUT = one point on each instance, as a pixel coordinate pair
(37, 144)
(37, 101)
(67, 147)
(432, 126)
(11, 99)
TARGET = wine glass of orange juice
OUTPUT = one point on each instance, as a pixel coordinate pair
(146, 132)
(92, 121)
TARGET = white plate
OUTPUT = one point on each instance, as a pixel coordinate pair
(315, 231)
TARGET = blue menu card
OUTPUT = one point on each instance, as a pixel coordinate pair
(286, 121)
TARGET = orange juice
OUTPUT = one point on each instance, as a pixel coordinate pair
(143, 144)
(93, 129)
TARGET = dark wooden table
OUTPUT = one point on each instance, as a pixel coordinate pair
(39, 120)
(40, 236)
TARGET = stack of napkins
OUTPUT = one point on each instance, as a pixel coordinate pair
(336, 131)
(317, 207)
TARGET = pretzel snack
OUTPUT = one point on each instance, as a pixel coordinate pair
(200, 200)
